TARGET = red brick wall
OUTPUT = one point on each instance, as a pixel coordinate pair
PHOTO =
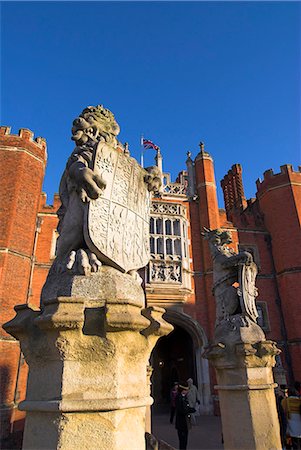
(22, 166)
(279, 197)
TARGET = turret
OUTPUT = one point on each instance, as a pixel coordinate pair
(208, 216)
(206, 189)
(191, 188)
(159, 164)
(159, 159)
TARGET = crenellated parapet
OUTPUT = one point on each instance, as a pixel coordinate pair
(271, 180)
(23, 140)
(44, 207)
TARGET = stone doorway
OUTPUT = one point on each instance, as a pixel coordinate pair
(172, 360)
(177, 357)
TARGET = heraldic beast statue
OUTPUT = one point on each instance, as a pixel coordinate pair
(105, 195)
(234, 289)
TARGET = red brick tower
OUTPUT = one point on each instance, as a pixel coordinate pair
(22, 163)
(279, 197)
(208, 216)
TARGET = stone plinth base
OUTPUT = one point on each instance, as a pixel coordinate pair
(246, 394)
(87, 430)
(87, 351)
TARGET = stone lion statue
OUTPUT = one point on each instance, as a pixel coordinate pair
(80, 184)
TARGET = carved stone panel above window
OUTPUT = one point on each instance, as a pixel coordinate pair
(168, 209)
(163, 272)
(175, 189)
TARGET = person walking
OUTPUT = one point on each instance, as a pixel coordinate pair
(193, 398)
(281, 393)
(173, 396)
(292, 408)
(183, 412)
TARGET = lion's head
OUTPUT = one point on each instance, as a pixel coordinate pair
(94, 124)
(153, 179)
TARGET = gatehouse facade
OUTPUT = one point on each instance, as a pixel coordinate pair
(179, 275)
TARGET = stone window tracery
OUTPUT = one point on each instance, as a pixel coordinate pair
(159, 226)
(168, 243)
(152, 226)
(176, 228)
(169, 250)
(168, 227)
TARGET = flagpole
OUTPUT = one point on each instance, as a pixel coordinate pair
(142, 149)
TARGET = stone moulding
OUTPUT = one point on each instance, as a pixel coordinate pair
(260, 354)
(158, 326)
(243, 387)
(85, 405)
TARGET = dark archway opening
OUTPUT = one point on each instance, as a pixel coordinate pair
(172, 360)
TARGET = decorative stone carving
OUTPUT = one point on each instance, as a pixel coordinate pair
(104, 217)
(173, 209)
(234, 290)
(241, 355)
(174, 189)
(164, 272)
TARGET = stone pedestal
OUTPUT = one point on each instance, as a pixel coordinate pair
(246, 394)
(87, 351)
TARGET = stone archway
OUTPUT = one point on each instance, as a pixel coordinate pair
(177, 357)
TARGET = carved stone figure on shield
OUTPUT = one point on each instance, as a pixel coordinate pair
(234, 289)
(105, 195)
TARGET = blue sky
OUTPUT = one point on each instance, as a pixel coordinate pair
(227, 73)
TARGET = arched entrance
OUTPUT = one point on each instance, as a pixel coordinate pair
(173, 360)
(177, 357)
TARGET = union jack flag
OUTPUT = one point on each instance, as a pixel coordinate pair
(147, 144)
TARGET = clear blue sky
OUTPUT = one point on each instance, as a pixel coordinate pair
(227, 73)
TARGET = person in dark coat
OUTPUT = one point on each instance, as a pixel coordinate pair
(183, 411)
(281, 393)
(173, 397)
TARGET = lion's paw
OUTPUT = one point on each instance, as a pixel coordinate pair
(82, 262)
(135, 275)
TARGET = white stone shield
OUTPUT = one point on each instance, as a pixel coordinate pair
(116, 225)
(248, 292)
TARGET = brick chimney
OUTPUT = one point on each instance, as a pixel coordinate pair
(233, 190)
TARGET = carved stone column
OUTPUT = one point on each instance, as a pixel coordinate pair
(87, 351)
(246, 394)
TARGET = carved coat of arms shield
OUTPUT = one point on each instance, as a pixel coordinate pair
(248, 291)
(116, 225)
